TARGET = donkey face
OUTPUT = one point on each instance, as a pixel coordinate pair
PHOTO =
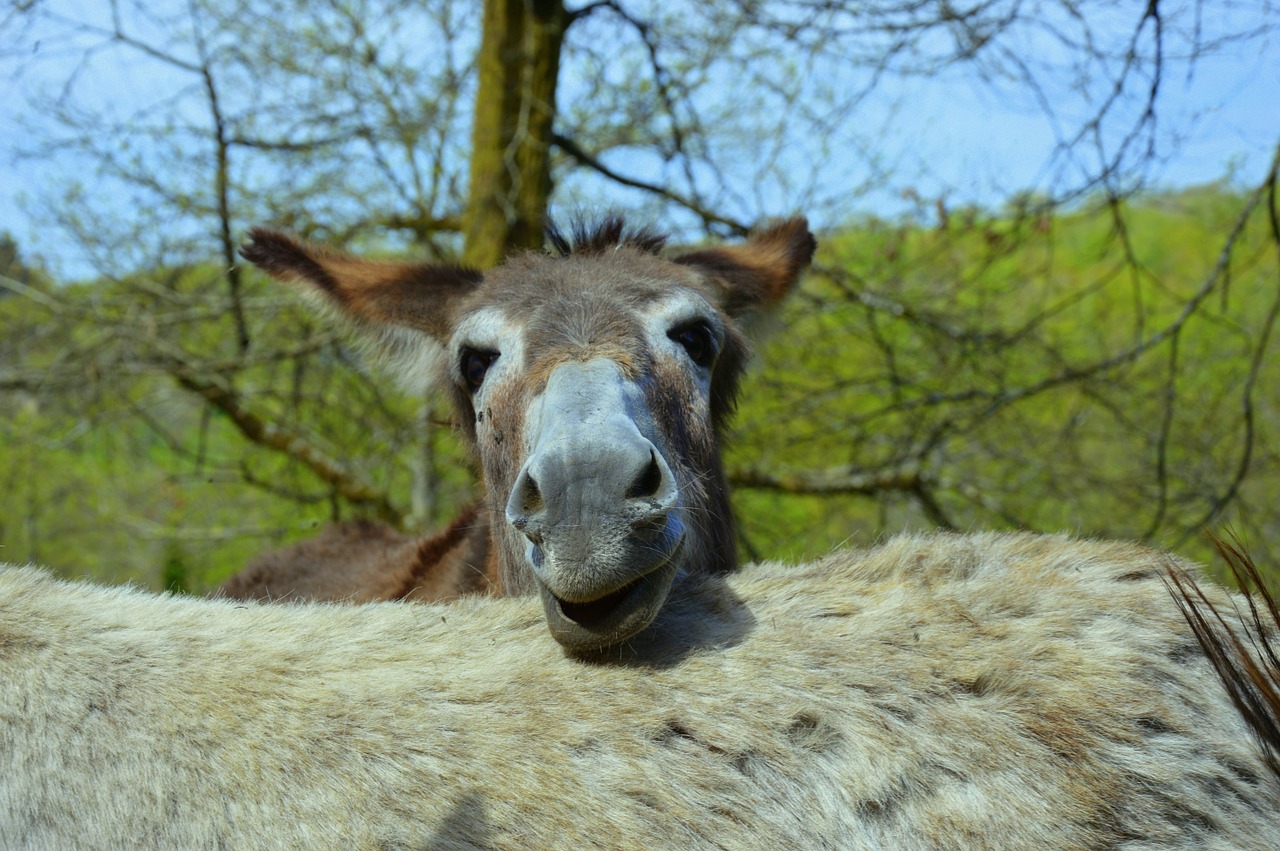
(593, 386)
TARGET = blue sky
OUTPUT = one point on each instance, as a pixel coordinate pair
(1224, 117)
(946, 136)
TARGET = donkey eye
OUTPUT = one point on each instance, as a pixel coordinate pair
(698, 342)
(475, 364)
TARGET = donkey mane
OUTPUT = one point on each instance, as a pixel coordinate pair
(587, 236)
(1244, 658)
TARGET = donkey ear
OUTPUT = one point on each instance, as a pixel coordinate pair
(759, 273)
(376, 294)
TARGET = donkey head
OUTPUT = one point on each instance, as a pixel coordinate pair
(593, 383)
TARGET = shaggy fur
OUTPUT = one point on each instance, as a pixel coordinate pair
(950, 692)
(361, 562)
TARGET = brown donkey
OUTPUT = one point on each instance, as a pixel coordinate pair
(360, 562)
(593, 383)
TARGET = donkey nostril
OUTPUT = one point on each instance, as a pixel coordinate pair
(525, 507)
(532, 496)
(649, 480)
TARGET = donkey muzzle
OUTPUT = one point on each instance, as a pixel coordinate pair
(598, 504)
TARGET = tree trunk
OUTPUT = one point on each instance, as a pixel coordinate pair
(426, 479)
(511, 139)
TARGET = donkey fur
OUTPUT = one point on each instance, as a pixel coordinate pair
(359, 561)
(983, 691)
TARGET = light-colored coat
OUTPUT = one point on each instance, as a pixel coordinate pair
(958, 692)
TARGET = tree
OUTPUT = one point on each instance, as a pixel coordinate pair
(349, 120)
(17, 273)
(510, 166)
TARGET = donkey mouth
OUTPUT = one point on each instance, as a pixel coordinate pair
(595, 611)
(587, 626)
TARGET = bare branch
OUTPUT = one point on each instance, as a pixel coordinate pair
(345, 481)
(707, 215)
(828, 482)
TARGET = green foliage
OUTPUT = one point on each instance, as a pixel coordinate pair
(175, 575)
(110, 468)
(1088, 372)
(15, 272)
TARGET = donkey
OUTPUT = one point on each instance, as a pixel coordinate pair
(1000, 691)
(593, 384)
(359, 561)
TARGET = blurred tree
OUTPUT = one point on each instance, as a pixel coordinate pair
(15, 271)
